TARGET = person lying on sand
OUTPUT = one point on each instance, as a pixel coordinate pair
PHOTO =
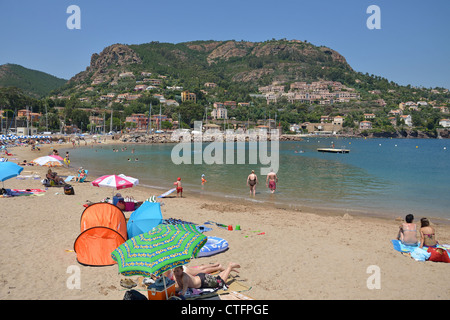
(195, 270)
(25, 163)
(184, 281)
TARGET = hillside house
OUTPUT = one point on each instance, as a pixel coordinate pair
(365, 125)
(188, 96)
(219, 113)
(210, 85)
(407, 119)
(445, 123)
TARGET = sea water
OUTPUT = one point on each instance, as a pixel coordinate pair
(382, 176)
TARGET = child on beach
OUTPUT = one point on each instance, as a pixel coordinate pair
(203, 179)
(179, 187)
(66, 159)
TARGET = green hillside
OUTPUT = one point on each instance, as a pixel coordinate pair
(32, 82)
(294, 81)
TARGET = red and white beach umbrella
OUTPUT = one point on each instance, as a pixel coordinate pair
(116, 182)
(47, 161)
(57, 157)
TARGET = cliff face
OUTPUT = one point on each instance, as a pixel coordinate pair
(292, 48)
(113, 57)
(237, 61)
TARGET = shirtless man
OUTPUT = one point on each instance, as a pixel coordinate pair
(201, 280)
(252, 180)
(271, 181)
(407, 233)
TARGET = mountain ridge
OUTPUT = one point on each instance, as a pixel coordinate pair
(34, 83)
(237, 61)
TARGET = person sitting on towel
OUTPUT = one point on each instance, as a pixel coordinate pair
(53, 176)
(407, 233)
(185, 281)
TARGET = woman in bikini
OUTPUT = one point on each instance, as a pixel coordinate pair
(427, 234)
(252, 180)
(202, 280)
(407, 233)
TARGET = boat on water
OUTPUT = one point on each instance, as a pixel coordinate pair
(333, 150)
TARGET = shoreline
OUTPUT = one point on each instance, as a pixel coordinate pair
(283, 253)
(301, 206)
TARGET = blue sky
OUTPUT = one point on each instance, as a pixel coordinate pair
(412, 46)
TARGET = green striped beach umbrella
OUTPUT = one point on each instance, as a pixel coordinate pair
(163, 248)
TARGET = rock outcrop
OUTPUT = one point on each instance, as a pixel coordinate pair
(104, 66)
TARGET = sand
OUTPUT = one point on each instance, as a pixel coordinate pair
(283, 254)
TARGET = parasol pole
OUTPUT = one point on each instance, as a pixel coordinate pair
(165, 288)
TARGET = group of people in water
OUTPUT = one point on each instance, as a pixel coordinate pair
(271, 181)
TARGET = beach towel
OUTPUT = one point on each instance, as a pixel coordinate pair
(235, 290)
(24, 192)
(418, 254)
(69, 178)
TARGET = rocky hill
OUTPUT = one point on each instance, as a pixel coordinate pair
(104, 65)
(255, 63)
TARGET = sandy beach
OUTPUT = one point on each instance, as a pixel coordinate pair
(291, 255)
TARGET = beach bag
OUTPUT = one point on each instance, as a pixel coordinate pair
(68, 189)
(121, 205)
(438, 255)
(130, 204)
(134, 295)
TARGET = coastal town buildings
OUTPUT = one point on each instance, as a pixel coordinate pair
(322, 92)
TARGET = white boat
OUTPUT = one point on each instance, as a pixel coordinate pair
(333, 150)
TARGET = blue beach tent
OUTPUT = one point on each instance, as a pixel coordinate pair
(144, 218)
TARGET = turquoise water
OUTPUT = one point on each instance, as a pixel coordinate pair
(390, 176)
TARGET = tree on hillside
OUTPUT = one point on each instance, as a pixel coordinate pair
(190, 112)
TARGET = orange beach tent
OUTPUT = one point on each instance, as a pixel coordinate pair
(103, 228)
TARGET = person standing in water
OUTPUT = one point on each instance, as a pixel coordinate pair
(271, 181)
(252, 180)
(179, 187)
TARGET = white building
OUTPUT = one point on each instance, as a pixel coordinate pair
(445, 123)
(407, 119)
(219, 113)
(294, 127)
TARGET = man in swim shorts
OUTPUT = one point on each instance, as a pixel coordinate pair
(185, 281)
(271, 181)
